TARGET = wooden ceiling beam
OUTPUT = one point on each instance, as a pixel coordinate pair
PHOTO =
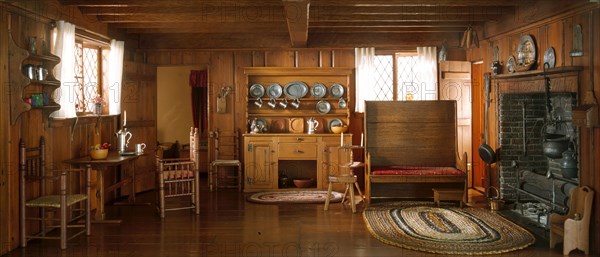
(415, 10)
(171, 28)
(200, 10)
(172, 3)
(390, 24)
(361, 3)
(296, 14)
(187, 17)
(391, 17)
(386, 30)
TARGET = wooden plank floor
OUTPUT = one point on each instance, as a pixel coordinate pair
(230, 226)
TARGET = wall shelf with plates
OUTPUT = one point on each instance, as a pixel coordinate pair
(276, 93)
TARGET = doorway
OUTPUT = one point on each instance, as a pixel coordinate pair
(174, 115)
(478, 167)
(455, 84)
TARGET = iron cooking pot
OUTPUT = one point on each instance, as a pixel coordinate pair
(554, 145)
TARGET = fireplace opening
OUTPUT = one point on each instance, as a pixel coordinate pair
(530, 175)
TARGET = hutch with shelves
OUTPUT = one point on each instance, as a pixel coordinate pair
(284, 146)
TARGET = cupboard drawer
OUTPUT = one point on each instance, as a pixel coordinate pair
(298, 139)
(298, 151)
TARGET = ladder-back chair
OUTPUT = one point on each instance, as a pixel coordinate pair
(177, 178)
(228, 179)
(53, 195)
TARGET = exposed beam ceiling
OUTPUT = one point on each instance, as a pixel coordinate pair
(305, 23)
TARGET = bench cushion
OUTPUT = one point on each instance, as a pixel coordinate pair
(415, 170)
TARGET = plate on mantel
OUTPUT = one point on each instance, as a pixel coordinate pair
(296, 125)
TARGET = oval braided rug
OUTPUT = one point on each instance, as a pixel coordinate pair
(447, 230)
(297, 196)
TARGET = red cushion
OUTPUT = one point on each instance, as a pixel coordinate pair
(415, 170)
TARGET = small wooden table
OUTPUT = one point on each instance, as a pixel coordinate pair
(113, 159)
(442, 194)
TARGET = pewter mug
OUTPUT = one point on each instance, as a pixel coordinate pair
(29, 72)
(42, 72)
(139, 148)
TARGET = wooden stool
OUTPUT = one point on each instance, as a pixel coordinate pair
(442, 194)
(351, 182)
(349, 179)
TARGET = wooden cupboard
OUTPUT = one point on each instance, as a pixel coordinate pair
(267, 157)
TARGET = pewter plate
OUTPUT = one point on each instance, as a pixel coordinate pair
(256, 91)
(295, 89)
(336, 90)
(550, 57)
(318, 90)
(526, 51)
(511, 64)
(274, 90)
(323, 107)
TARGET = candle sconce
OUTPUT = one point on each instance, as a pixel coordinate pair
(221, 100)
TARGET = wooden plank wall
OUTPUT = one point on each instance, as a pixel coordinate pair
(226, 69)
(555, 31)
(64, 139)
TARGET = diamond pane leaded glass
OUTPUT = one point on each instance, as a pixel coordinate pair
(384, 78)
(408, 79)
(86, 75)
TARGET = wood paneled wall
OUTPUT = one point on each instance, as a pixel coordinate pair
(65, 139)
(226, 69)
(555, 31)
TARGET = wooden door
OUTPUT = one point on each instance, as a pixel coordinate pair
(478, 166)
(455, 84)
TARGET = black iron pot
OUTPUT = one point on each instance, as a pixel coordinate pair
(554, 145)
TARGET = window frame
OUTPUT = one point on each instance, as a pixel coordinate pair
(99, 47)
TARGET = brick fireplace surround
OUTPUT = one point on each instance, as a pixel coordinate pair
(522, 117)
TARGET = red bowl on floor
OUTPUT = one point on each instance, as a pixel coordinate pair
(303, 183)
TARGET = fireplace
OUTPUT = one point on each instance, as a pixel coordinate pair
(527, 112)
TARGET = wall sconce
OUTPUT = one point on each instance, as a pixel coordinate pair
(469, 38)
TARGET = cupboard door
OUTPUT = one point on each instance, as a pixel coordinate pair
(260, 165)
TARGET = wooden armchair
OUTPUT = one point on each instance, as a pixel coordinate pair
(177, 178)
(55, 196)
(573, 229)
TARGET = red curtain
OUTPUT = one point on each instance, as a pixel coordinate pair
(199, 85)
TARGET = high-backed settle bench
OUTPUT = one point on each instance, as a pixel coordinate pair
(411, 148)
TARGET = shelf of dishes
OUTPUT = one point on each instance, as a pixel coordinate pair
(312, 125)
(284, 104)
(295, 90)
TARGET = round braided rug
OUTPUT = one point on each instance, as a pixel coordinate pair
(297, 196)
(447, 230)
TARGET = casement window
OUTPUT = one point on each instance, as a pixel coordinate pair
(88, 76)
(397, 75)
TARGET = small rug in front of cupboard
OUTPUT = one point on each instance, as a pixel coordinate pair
(424, 227)
(296, 196)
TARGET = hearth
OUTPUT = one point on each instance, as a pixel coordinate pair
(534, 123)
